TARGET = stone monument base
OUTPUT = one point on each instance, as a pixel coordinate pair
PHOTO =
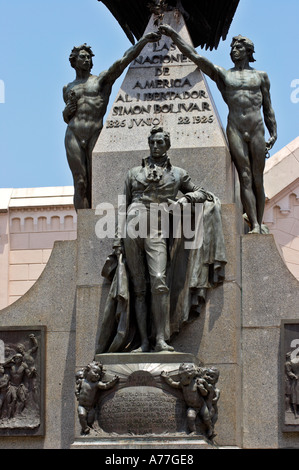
(142, 409)
(146, 442)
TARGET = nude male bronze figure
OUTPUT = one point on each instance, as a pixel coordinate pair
(246, 91)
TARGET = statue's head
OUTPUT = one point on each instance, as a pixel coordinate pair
(159, 141)
(83, 54)
(18, 358)
(187, 372)
(21, 348)
(211, 375)
(93, 371)
(79, 374)
(239, 41)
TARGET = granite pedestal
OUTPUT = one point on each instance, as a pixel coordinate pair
(239, 328)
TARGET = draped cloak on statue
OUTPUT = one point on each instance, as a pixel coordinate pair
(191, 271)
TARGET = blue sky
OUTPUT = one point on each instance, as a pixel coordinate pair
(36, 37)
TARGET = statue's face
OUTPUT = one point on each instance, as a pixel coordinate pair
(238, 51)
(83, 61)
(94, 374)
(211, 376)
(18, 358)
(158, 145)
(187, 375)
(21, 348)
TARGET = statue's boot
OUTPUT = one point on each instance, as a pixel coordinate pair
(160, 312)
(141, 317)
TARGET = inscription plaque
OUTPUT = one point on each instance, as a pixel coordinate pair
(142, 410)
(141, 406)
(164, 88)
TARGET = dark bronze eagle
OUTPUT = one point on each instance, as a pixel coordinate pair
(208, 21)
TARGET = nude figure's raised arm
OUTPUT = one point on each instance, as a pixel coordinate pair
(119, 66)
(204, 64)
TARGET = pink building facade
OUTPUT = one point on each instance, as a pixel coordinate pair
(282, 206)
(32, 219)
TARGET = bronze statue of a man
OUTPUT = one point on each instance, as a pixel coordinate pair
(155, 182)
(166, 283)
(86, 101)
(246, 91)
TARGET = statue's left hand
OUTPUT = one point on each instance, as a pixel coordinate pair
(153, 37)
(166, 29)
(270, 143)
(183, 201)
(118, 250)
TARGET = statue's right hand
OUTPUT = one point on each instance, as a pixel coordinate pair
(166, 29)
(118, 250)
(71, 106)
(153, 37)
